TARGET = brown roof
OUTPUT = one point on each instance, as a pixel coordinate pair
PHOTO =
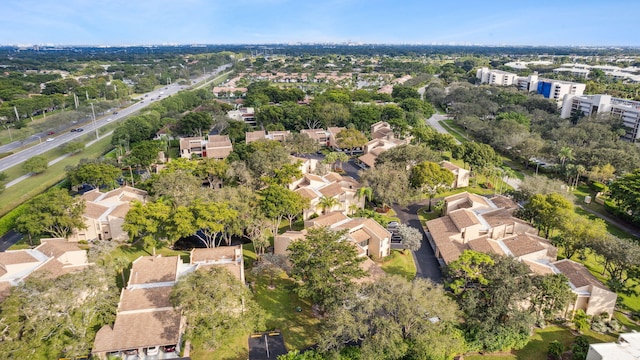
(331, 176)
(146, 298)
(471, 198)
(331, 190)
(441, 229)
(368, 159)
(503, 202)
(213, 254)
(484, 245)
(312, 177)
(539, 268)
(373, 270)
(329, 219)
(138, 330)
(359, 235)
(5, 289)
(219, 153)
(121, 211)
(522, 244)
(16, 257)
(376, 229)
(92, 195)
(94, 211)
(234, 268)
(254, 135)
(54, 268)
(306, 192)
(577, 274)
(56, 247)
(150, 269)
(463, 218)
(449, 166)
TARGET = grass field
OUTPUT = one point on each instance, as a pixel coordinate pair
(400, 263)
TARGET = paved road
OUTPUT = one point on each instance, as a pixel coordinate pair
(59, 139)
(629, 228)
(426, 263)
(9, 239)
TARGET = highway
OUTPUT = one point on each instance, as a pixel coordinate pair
(50, 142)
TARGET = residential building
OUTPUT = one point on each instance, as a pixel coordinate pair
(246, 115)
(307, 165)
(496, 77)
(549, 88)
(319, 135)
(369, 237)
(105, 212)
(473, 222)
(268, 135)
(628, 74)
(145, 317)
(591, 105)
(52, 258)
(383, 139)
(626, 348)
(333, 132)
(460, 175)
(331, 185)
(214, 147)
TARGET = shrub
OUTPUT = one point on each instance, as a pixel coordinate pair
(555, 350)
(580, 348)
(581, 320)
(615, 325)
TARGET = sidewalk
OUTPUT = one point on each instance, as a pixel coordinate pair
(629, 228)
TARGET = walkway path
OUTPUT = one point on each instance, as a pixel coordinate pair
(629, 228)
(427, 265)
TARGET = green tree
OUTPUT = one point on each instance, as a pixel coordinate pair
(217, 306)
(3, 181)
(73, 147)
(566, 153)
(390, 184)
(148, 222)
(395, 319)
(204, 220)
(351, 139)
(548, 211)
(327, 203)
(401, 92)
(325, 266)
(37, 164)
(551, 296)
(477, 155)
(195, 124)
(96, 174)
(297, 143)
(625, 191)
(578, 233)
(144, 153)
(430, 177)
(270, 266)
(55, 213)
(278, 203)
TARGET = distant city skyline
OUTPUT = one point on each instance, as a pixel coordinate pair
(463, 22)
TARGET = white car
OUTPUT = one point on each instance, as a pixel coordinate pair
(152, 351)
(109, 119)
(50, 139)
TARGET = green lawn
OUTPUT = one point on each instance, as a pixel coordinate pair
(454, 130)
(400, 263)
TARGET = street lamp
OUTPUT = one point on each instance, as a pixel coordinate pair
(537, 165)
(93, 111)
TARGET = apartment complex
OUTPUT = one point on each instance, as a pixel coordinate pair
(105, 212)
(382, 139)
(213, 147)
(590, 105)
(369, 237)
(549, 88)
(487, 225)
(332, 185)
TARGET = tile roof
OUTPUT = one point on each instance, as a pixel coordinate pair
(92, 195)
(368, 159)
(503, 202)
(577, 274)
(359, 235)
(150, 269)
(376, 229)
(57, 247)
(522, 244)
(94, 211)
(463, 218)
(329, 219)
(308, 193)
(16, 257)
(254, 135)
(145, 298)
(139, 330)
(449, 166)
(484, 245)
(120, 211)
(441, 229)
(213, 254)
(331, 190)
(54, 268)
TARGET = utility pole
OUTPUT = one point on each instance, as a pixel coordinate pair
(93, 111)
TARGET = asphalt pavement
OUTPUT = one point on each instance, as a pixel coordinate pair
(9, 239)
(427, 265)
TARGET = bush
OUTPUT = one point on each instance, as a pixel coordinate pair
(555, 350)
(581, 320)
(598, 325)
(615, 325)
(580, 348)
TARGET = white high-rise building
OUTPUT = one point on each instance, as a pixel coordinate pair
(627, 110)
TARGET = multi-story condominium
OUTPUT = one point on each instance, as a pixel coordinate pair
(549, 88)
(214, 147)
(496, 77)
(627, 110)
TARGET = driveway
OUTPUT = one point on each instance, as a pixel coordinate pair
(427, 265)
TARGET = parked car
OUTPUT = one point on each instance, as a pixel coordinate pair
(151, 351)
(50, 139)
(115, 113)
(74, 130)
(79, 129)
(51, 132)
(169, 348)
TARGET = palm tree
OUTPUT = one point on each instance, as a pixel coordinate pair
(326, 202)
(341, 158)
(364, 192)
(566, 153)
(580, 171)
(330, 159)
(508, 173)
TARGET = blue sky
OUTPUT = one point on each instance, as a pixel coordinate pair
(494, 22)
